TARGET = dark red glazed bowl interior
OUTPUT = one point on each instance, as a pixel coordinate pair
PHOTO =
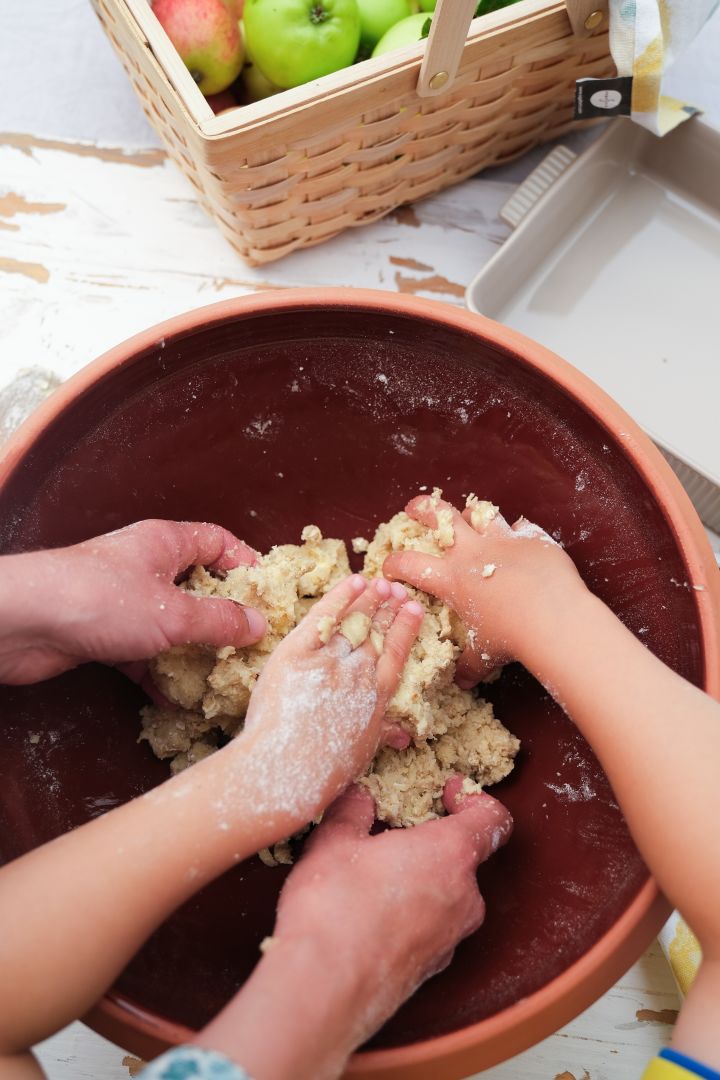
(266, 422)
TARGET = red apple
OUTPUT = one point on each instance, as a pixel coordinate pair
(207, 37)
(222, 102)
(235, 7)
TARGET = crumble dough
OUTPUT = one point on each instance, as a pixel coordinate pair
(452, 730)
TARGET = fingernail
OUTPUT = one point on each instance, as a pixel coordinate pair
(413, 608)
(399, 591)
(382, 588)
(358, 582)
(256, 622)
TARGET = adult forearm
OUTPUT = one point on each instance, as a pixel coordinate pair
(299, 1015)
(660, 746)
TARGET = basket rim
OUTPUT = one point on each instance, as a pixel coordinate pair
(246, 119)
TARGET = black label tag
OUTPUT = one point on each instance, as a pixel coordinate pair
(603, 97)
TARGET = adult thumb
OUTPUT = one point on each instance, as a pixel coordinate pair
(478, 816)
(206, 620)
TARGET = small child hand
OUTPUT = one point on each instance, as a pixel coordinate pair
(324, 691)
(114, 599)
(494, 576)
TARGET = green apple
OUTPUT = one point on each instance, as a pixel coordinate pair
(257, 86)
(295, 41)
(403, 33)
(428, 5)
(376, 18)
(206, 35)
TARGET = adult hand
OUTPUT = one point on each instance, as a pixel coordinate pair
(114, 599)
(501, 580)
(362, 921)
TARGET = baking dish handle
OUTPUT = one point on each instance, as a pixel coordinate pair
(449, 31)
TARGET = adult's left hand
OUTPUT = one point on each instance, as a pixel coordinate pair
(114, 599)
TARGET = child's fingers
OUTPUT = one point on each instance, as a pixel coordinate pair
(483, 517)
(319, 623)
(426, 572)
(356, 623)
(530, 531)
(472, 666)
(385, 614)
(435, 513)
(396, 737)
(396, 647)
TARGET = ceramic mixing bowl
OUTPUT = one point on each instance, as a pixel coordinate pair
(333, 407)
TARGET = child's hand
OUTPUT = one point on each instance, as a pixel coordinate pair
(362, 921)
(496, 577)
(324, 703)
(113, 599)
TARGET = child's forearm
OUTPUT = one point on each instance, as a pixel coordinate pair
(20, 1067)
(658, 739)
(74, 911)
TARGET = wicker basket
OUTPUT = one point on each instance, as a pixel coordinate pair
(300, 167)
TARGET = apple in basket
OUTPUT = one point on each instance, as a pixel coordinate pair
(295, 41)
(485, 7)
(406, 32)
(207, 37)
(376, 18)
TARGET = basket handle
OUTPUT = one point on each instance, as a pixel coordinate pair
(449, 31)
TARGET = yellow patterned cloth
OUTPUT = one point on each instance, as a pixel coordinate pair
(646, 36)
(682, 949)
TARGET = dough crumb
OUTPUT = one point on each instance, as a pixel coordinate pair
(469, 787)
(355, 627)
(360, 545)
(378, 641)
(326, 627)
(311, 535)
(489, 569)
(267, 943)
(481, 512)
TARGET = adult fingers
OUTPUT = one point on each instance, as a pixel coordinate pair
(481, 820)
(138, 672)
(396, 647)
(352, 813)
(202, 620)
(199, 543)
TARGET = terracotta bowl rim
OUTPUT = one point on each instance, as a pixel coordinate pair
(534, 1017)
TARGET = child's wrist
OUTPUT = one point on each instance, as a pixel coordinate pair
(543, 621)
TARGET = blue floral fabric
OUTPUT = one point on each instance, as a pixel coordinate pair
(192, 1063)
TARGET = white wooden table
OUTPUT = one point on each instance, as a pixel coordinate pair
(99, 241)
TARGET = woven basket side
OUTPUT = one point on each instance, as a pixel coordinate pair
(350, 158)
